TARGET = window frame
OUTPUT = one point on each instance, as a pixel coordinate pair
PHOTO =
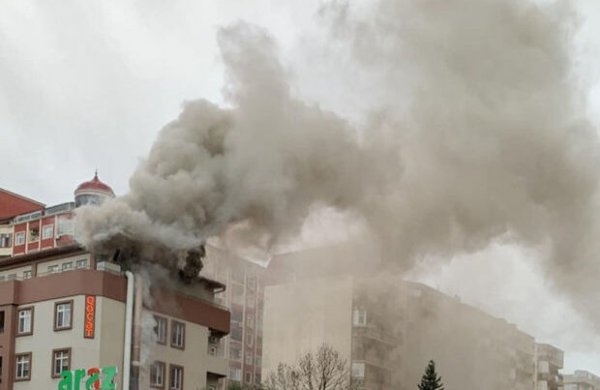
(174, 325)
(171, 368)
(54, 322)
(165, 320)
(164, 374)
(79, 262)
(28, 377)
(31, 309)
(18, 235)
(33, 236)
(53, 360)
(45, 228)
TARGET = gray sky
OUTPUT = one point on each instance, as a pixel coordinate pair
(86, 85)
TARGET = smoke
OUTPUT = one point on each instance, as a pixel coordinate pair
(474, 130)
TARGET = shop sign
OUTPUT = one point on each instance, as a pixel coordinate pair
(90, 379)
(89, 321)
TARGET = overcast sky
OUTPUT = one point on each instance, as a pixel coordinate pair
(86, 85)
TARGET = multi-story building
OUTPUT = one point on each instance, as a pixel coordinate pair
(388, 329)
(12, 204)
(549, 362)
(29, 226)
(581, 380)
(244, 298)
(67, 315)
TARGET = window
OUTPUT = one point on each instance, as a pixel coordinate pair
(81, 264)
(250, 299)
(175, 377)
(11, 277)
(47, 232)
(249, 340)
(237, 295)
(237, 314)
(63, 315)
(61, 359)
(359, 317)
(236, 333)
(250, 320)
(249, 359)
(257, 361)
(248, 377)
(1, 323)
(20, 238)
(358, 370)
(53, 269)
(26, 274)
(235, 352)
(5, 240)
(177, 334)
(160, 329)
(23, 367)
(235, 374)
(25, 326)
(67, 266)
(157, 375)
(34, 234)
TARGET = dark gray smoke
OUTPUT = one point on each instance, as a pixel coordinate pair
(479, 133)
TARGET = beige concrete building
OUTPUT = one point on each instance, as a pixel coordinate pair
(581, 380)
(61, 311)
(388, 330)
(549, 362)
(243, 297)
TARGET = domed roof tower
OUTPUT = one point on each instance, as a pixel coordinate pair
(92, 192)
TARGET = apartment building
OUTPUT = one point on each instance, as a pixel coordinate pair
(29, 226)
(69, 316)
(549, 362)
(581, 380)
(243, 296)
(12, 204)
(388, 329)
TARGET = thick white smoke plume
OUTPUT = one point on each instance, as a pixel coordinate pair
(479, 133)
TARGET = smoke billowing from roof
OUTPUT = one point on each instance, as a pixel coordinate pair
(479, 134)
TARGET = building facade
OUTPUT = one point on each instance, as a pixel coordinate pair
(69, 316)
(581, 380)
(243, 296)
(388, 329)
(549, 362)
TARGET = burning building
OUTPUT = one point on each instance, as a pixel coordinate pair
(68, 315)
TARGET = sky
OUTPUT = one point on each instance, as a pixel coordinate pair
(88, 85)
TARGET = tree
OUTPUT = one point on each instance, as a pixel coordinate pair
(430, 380)
(323, 370)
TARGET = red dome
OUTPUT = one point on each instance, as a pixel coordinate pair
(94, 185)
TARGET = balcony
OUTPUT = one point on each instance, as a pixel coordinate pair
(373, 333)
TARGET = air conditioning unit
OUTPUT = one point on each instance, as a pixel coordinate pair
(213, 340)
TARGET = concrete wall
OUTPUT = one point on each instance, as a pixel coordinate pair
(299, 317)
